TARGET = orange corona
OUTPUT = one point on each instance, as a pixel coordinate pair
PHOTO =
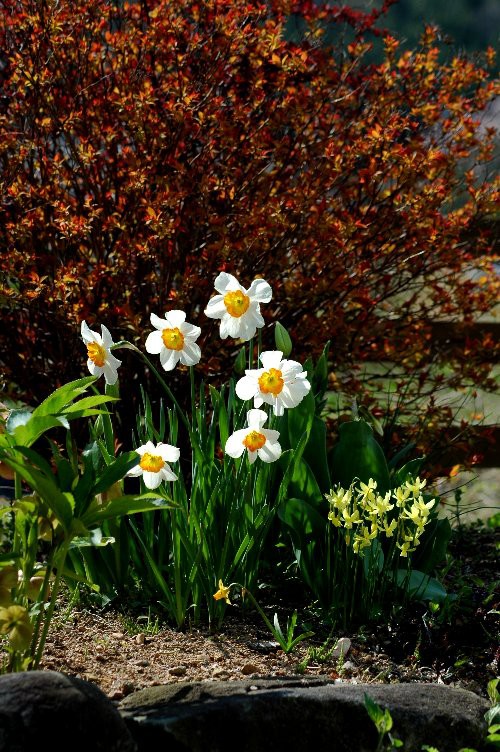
(173, 339)
(151, 463)
(254, 440)
(271, 382)
(236, 303)
(96, 354)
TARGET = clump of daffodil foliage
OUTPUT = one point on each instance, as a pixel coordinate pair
(365, 514)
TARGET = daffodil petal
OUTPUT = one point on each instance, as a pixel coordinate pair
(152, 480)
(225, 282)
(154, 343)
(175, 318)
(256, 419)
(260, 290)
(190, 354)
(216, 307)
(234, 445)
(168, 452)
(271, 359)
(169, 359)
(107, 339)
(247, 387)
(157, 322)
(270, 452)
(189, 331)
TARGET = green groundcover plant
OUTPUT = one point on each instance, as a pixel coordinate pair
(208, 486)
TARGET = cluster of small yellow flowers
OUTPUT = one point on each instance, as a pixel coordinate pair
(364, 513)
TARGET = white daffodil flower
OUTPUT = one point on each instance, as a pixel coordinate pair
(238, 308)
(174, 340)
(280, 383)
(258, 441)
(100, 358)
(153, 463)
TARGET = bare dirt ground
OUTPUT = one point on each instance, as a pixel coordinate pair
(122, 653)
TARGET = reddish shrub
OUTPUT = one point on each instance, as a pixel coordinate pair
(146, 146)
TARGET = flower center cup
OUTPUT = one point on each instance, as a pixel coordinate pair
(271, 382)
(151, 463)
(96, 354)
(254, 440)
(173, 339)
(236, 303)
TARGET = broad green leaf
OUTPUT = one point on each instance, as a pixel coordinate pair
(59, 399)
(45, 487)
(124, 505)
(303, 484)
(18, 417)
(420, 586)
(300, 420)
(303, 520)
(408, 472)
(95, 538)
(116, 471)
(433, 545)
(358, 455)
(28, 433)
(315, 454)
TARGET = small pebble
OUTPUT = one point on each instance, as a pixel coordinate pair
(178, 670)
(142, 663)
(249, 668)
(140, 638)
(341, 648)
(117, 635)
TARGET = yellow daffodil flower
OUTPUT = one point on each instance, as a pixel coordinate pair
(222, 593)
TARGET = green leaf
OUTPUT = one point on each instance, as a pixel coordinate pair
(492, 716)
(17, 418)
(45, 487)
(358, 455)
(240, 362)
(95, 538)
(420, 586)
(124, 505)
(28, 433)
(89, 402)
(116, 471)
(58, 400)
(408, 472)
(282, 340)
(433, 545)
(316, 455)
(374, 711)
(373, 559)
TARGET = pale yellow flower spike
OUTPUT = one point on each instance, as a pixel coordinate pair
(222, 593)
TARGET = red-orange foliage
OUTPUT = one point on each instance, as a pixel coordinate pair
(146, 146)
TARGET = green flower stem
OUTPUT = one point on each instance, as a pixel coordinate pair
(250, 354)
(193, 396)
(168, 391)
(59, 560)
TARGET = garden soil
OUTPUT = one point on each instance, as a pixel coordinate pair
(122, 653)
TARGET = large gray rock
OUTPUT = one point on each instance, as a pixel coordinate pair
(299, 715)
(45, 710)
